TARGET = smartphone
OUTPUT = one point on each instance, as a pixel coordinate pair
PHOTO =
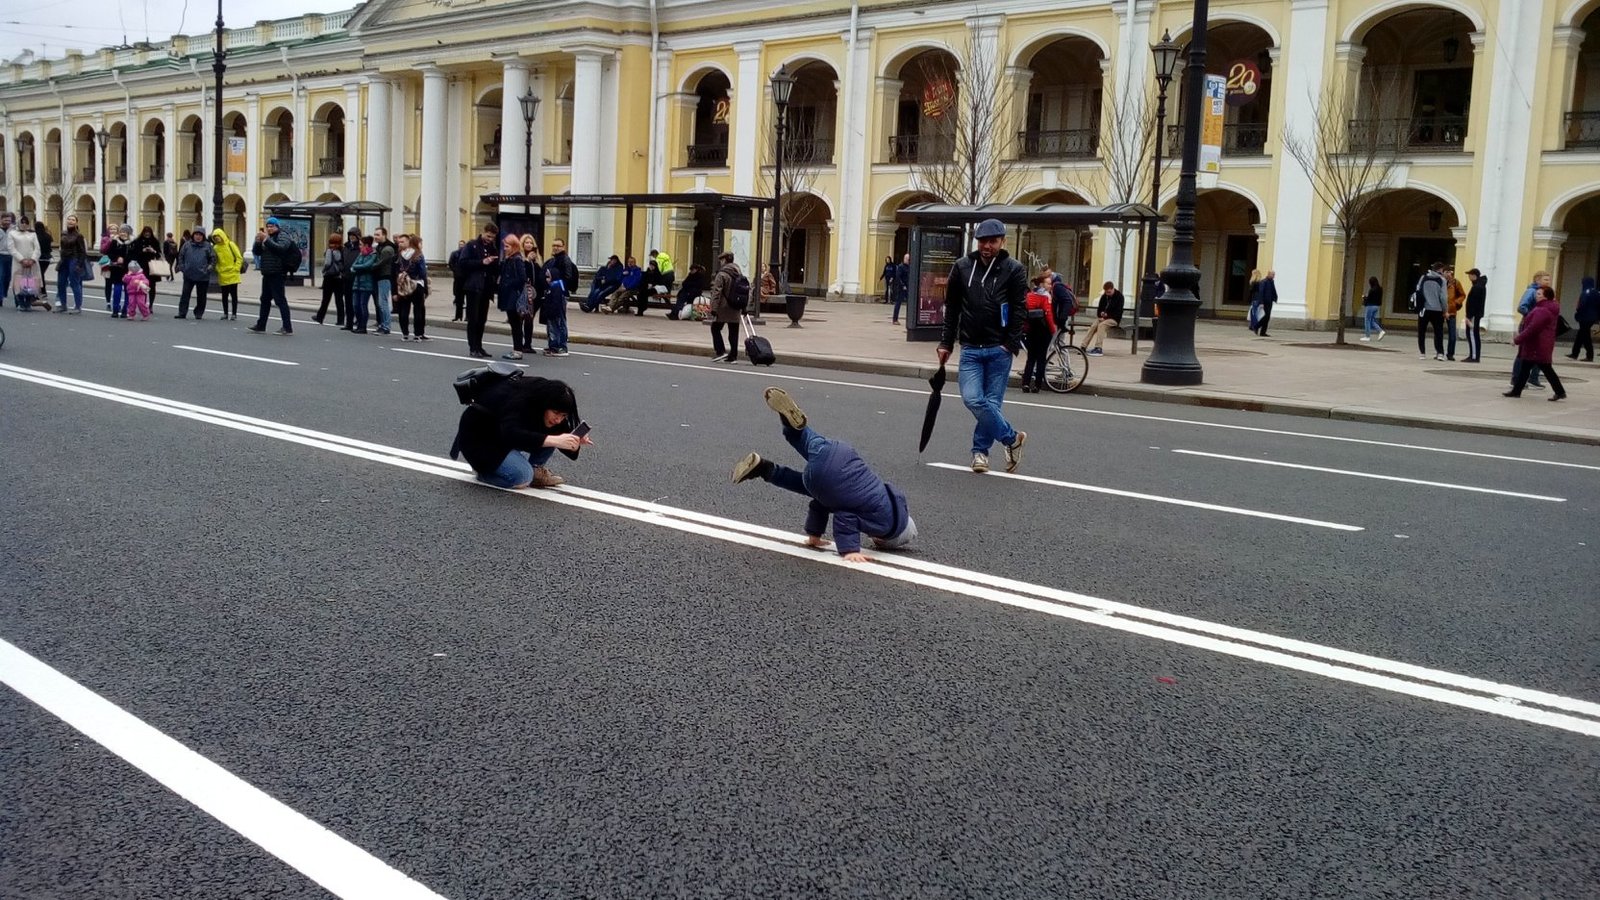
(581, 430)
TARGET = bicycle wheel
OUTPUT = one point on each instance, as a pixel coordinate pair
(1065, 368)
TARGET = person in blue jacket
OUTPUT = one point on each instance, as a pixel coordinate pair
(632, 281)
(839, 483)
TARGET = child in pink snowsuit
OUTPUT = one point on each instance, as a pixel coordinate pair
(138, 288)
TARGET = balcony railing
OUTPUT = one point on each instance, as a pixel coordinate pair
(281, 168)
(55, 176)
(921, 148)
(1070, 143)
(491, 154)
(1238, 139)
(192, 171)
(808, 151)
(708, 156)
(1426, 134)
(158, 171)
(27, 176)
(1583, 130)
(87, 174)
(120, 172)
(330, 165)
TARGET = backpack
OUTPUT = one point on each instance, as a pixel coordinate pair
(1415, 300)
(739, 293)
(473, 382)
(1064, 304)
(294, 258)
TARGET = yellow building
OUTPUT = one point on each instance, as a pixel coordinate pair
(1492, 109)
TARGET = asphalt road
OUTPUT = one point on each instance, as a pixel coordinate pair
(1383, 688)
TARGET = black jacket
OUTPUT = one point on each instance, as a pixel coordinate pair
(1374, 297)
(1477, 297)
(561, 265)
(510, 416)
(457, 276)
(388, 253)
(480, 277)
(694, 284)
(347, 258)
(1112, 306)
(979, 296)
(275, 251)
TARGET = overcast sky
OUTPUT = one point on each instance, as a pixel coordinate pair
(50, 27)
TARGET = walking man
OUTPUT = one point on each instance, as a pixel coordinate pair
(985, 306)
(278, 258)
(1434, 298)
(196, 261)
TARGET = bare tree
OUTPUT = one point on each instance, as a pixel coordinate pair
(1127, 154)
(1348, 160)
(971, 155)
(803, 160)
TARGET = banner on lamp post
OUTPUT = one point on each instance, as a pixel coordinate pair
(1212, 109)
(237, 163)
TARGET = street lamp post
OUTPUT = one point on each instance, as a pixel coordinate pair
(530, 111)
(102, 137)
(1173, 361)
(1166, 56)
(218, 168)
(782, 89)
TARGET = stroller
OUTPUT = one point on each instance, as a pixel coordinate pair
(28, 285)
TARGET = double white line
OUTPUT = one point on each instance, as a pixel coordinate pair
(1504, 700)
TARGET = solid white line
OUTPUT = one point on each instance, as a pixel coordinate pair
(1353, 474)
(276, 362)
(455, 356)
(1094, 611)
(1154, 498)
(326, 858)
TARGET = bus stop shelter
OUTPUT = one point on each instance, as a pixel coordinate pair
(939, 238)
(300, 220)
(525, 213)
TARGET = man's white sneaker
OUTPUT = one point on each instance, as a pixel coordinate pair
(1365, 340)
(1438, 356)
(1014, 451)
(980, 462)
(1381, 333)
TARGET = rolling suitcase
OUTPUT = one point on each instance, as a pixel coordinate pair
(756, 347)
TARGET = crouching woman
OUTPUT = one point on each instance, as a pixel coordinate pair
(513, 427)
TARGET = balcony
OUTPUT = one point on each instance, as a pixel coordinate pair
(157, 172)
(1071, 143)
(1420, 134)
(281, 168)
(27, 175)
(192, 171)
(808, 152)
(86, 174)
(708, 156)
(55, 176)
(1583, 130)
(121, 172)
(330, 165)
(491, 155)
(921, 148)
(1238, 139)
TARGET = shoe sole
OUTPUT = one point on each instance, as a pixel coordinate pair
(1014, 452)
(745, 468)
(779, 401)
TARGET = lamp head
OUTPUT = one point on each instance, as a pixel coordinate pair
(1166, 53)
(530, 106)
(782, 87)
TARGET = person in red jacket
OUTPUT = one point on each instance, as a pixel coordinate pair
(1039, 328)
(1536, 344)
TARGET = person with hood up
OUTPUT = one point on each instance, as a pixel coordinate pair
(226, 275)
(985, 306)
(1536, 344)
(197, 260)
(1585, 317)
(138, 288)
(513, 427)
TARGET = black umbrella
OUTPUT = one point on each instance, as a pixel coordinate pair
(928, 418)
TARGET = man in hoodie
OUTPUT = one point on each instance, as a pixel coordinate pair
(384, 274)
(197, 259)
(986, 306)
(1477, 297)
(1434, 296)
(607, 279)
(1585, 316)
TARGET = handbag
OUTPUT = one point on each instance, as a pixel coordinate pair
(1562, 325)
(160, 268)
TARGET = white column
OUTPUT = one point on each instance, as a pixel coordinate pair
(748, 128)
(352, 142)
(435, 157)
(661, 128)
(252, 156)
(1504, 167)
(101, 201)
(302, 146)
(513, 130)
(380, 140)
(1292, 243)
(169, 188)
(609, 222)
(586, 149)
(458, 167)
(854, 129)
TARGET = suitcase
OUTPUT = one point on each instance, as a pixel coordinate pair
(757, 348)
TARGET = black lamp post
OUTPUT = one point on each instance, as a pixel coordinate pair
(1173, 360)
(1166, 56)
(530, 111)
(782, 89)
(219, 169)
(101, 137)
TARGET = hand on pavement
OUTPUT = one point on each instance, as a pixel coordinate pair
(856, 557)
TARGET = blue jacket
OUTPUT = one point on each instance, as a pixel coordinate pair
(1529, 297)
(843, 485)
(632, 277)
(1588, 311)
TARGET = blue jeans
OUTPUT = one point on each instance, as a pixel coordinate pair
(5, 276)
(1255, 314)
(983, 374)
(68, 276)
(516, 470)
(1371, 326)
(119, 299)
(384, 289)
(360, 304)
(555, 329)
(899, 298)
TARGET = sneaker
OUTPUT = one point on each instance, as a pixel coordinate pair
(548, 351)
(1014, 451)
(422, 337)
(563, 352)
(257, 329)
(405, 338)
(478, 354)
(1439, 356)
(752, 466)
(980, 462)
(1097, 352)
(543, 479)
(383, 331)
(730, 358)
(284, 331)
(1423, 356)
(779, 401)
(1365, 340)
(1381, 333)
(511, 354)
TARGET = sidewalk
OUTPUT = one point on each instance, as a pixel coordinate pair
(1292, 372)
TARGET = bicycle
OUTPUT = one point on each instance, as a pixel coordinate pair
(1066, 366)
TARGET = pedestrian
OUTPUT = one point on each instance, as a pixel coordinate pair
(279, 257)
(138, 289)
(362, 284)
(169, 250)
(481, 262)
(27, 276)
(1372, 307)
(1536, 344)
(630, 283)
(902, 287)
(7, 222)
(518, 296)
(1530, 296)
(1107, 312)
(411, 287)
(226, 274)
(74, 267)
(514, 426)
(985, 304)
(458, 281)
(560, 283)
(1477, 297)
(888, 277)
(1433, 296)
(694, 285)
(606, 280)
(1455, 299)
(1269, 296)
(1254, 293)
(334, 288)
(383, 274)
(1040, 327)
(1063, 302)
(197, 260)
(47, 250)
(839, 484)
(1585, 317)
(145, 250)
(769, 282)
(730, 297)
(116, 269)
(349, 250)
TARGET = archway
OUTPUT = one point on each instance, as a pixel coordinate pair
(1061, 103)
(486, 122)
(708, 129)
(84, 209)
(277, 135)
(1416, 82)
(1068, 251)
(813, 111)
(153, 141)
(923, 112)
(153, 212)
(1580, 252)
(233, 218)
(30, 208)
(27, 147)
(117, 152)
(191, 212)
(85, 162)
(52, 156)
(327, 140)
(1225, 247)
(807, 240)
(193, 150)
(1401, 234)
(1242, 53)
(894, 239)
(1583, 122)
(116, 210)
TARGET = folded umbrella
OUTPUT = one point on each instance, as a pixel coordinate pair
(928, 418)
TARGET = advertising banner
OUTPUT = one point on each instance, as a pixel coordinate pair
(237, 164)
(1213, 107)
(934, 251)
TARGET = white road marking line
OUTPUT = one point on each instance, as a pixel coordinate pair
(326, 858)
(1372, 475)
(1151, 623)
(276, 362)
(1155, 498)
(455, 356)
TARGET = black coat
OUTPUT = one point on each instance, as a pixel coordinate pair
(1374, 297)
(975, 296)
(481, 277)
(1477, 297)
(560, 265)
(1112, 306)
(510, 416)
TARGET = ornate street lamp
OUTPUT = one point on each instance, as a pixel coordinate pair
(1173, 360)
(782, 89)
(219, 169)
(530, 111)
(102, 137)
(1167, 53)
